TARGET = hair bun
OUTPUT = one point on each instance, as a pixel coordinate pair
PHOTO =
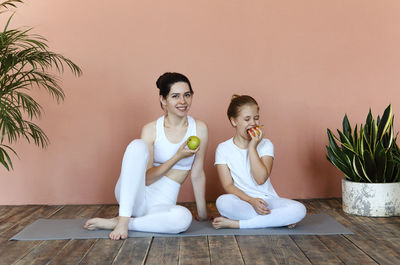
(234, 96)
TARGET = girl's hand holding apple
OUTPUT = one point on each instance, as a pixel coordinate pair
(256, 135)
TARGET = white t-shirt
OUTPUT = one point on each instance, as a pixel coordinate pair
(238, 162)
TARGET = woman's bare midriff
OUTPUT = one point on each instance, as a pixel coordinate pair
(177, 175)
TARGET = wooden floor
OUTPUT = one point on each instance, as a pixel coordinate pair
(376, 241)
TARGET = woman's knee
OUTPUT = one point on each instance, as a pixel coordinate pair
(182, 219)
(138, 148)
(138, 145)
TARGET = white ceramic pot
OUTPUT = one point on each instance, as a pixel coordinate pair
(371, 199)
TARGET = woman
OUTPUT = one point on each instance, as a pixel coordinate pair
(244, 165)
(154, 167)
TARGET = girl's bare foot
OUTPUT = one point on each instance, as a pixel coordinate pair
(222, 222)
(121, 229)
(101, 223)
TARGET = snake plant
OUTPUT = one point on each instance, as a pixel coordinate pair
(368, 154)
(25, 64)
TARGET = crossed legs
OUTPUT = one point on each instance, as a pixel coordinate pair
(237, 213)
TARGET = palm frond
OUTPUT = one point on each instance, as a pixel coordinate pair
(26, 63)
(4, 6)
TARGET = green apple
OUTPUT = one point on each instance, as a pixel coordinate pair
(193, 142)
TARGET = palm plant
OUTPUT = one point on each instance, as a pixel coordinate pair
(368, 155)
(25, 64)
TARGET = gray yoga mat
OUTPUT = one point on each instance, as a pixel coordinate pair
(55, 229)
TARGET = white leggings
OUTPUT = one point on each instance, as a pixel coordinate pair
(283, 212)
(153, 207)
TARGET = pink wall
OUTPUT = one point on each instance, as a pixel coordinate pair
(306, 62)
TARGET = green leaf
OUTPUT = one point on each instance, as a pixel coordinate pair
(385, 122)
(359, 169)
(339, 163)
(381, 163)
(369, 166)
(347, 129)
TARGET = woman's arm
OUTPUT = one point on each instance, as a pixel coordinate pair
(155, 173)
(197, 174)
(259, 205)
(260, 167)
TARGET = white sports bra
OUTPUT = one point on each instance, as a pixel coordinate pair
(164, 149)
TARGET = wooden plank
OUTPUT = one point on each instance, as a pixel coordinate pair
(284, 250)
(254, 251)
(84, 251)
(73, 252)
(339, 245)
(345, 250)
(19, 221)
(17, 249)
(48, 250)
(224, 250)
(108, 211)
(163, 250)
(42, 253)
(315, 250)
(194, 250)
(15, 216)
(7, 211)
(271, 249)
(68, 211)
(133, 251)
(380, 250)
(309, 207)
(89, 211)
(103, 252)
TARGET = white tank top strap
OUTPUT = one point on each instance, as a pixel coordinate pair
(160, 135)
(164, 149)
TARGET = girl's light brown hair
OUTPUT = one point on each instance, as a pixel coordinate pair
(237, 102)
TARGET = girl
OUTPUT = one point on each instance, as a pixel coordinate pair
(154, 167)
(244, 164)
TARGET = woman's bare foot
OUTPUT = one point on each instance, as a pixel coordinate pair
(121, 229)
(101, 223)
(119, 225)
(292, 225)
(222, 222)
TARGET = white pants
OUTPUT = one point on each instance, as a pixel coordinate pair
(283, 212)
(153, 207)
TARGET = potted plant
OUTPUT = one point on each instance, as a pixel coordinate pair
(369, 159)
(25, 64)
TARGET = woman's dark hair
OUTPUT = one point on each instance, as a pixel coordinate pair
(237, 102)
(167, 80)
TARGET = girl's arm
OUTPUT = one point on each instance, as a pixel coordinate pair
(260, 167)
(155, 173)
(197, 174)
(259, 205)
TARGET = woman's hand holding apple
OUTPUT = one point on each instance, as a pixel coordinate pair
(184, 151)
(193, 142)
